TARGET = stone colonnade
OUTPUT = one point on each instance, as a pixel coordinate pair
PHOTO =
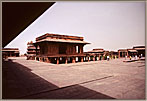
(73, 59)
(124, 53)
(48, 59)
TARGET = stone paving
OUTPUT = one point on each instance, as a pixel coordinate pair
(114, 79)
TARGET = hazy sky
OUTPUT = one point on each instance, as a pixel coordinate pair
(107, 25)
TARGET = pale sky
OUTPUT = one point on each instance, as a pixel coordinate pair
(107, 25)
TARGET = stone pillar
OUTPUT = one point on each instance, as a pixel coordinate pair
(81, 59)
(118, 54)
(57, 60)
(99, 57)
(81, 48)
(103, 57)
(93, 58)
(48, 60)
(40, 59)
(66, 61)
(127, 54)
(73, 60)
(88, 58)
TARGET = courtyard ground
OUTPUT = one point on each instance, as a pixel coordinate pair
(114, 79)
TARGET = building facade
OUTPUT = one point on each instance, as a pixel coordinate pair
(122, 53)
(113, 54)
(55, 48)
(10, 52)
(140, 50)
(95, 54)
(31, 51)
(136, 50)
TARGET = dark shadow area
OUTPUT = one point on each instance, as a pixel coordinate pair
(70, 92)
(11, 60)
(18, 82)
(16, 16)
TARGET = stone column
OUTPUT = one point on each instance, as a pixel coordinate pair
(73, 60)
(99, 57)
(66, 61)
(127, 54)
(48, 60)
(57, 60)
(118, 54)
(88, 58)
(93, 58)
(40, 59)
(81, 59)
(81, 48)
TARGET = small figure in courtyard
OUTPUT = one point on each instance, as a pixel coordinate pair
(130, 58)
(115, 57)
(101, 57)
(105, 57)
(108, 58)
(141, 55)
(136, 57)
(111, 57)
(126, 57)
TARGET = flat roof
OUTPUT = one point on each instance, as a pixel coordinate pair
(132, 50)
(62, 40)
(139, 47)
(58, 36)
(32, 47)
(98, 49)
(95, 51)
(122, 50)
(10, 49)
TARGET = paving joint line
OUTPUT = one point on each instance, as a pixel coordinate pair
(63, 87)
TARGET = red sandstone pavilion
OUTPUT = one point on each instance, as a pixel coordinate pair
(55, 48)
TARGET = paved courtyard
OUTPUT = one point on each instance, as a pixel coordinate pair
(114, 79)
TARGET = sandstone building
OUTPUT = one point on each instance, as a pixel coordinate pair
(55, 48)
(31, 51)
(10, 52)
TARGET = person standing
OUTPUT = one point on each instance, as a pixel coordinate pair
(107, 57)
(130, 58)
(115, 57)
(126, 57)
(135, 57)
(141, 55)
